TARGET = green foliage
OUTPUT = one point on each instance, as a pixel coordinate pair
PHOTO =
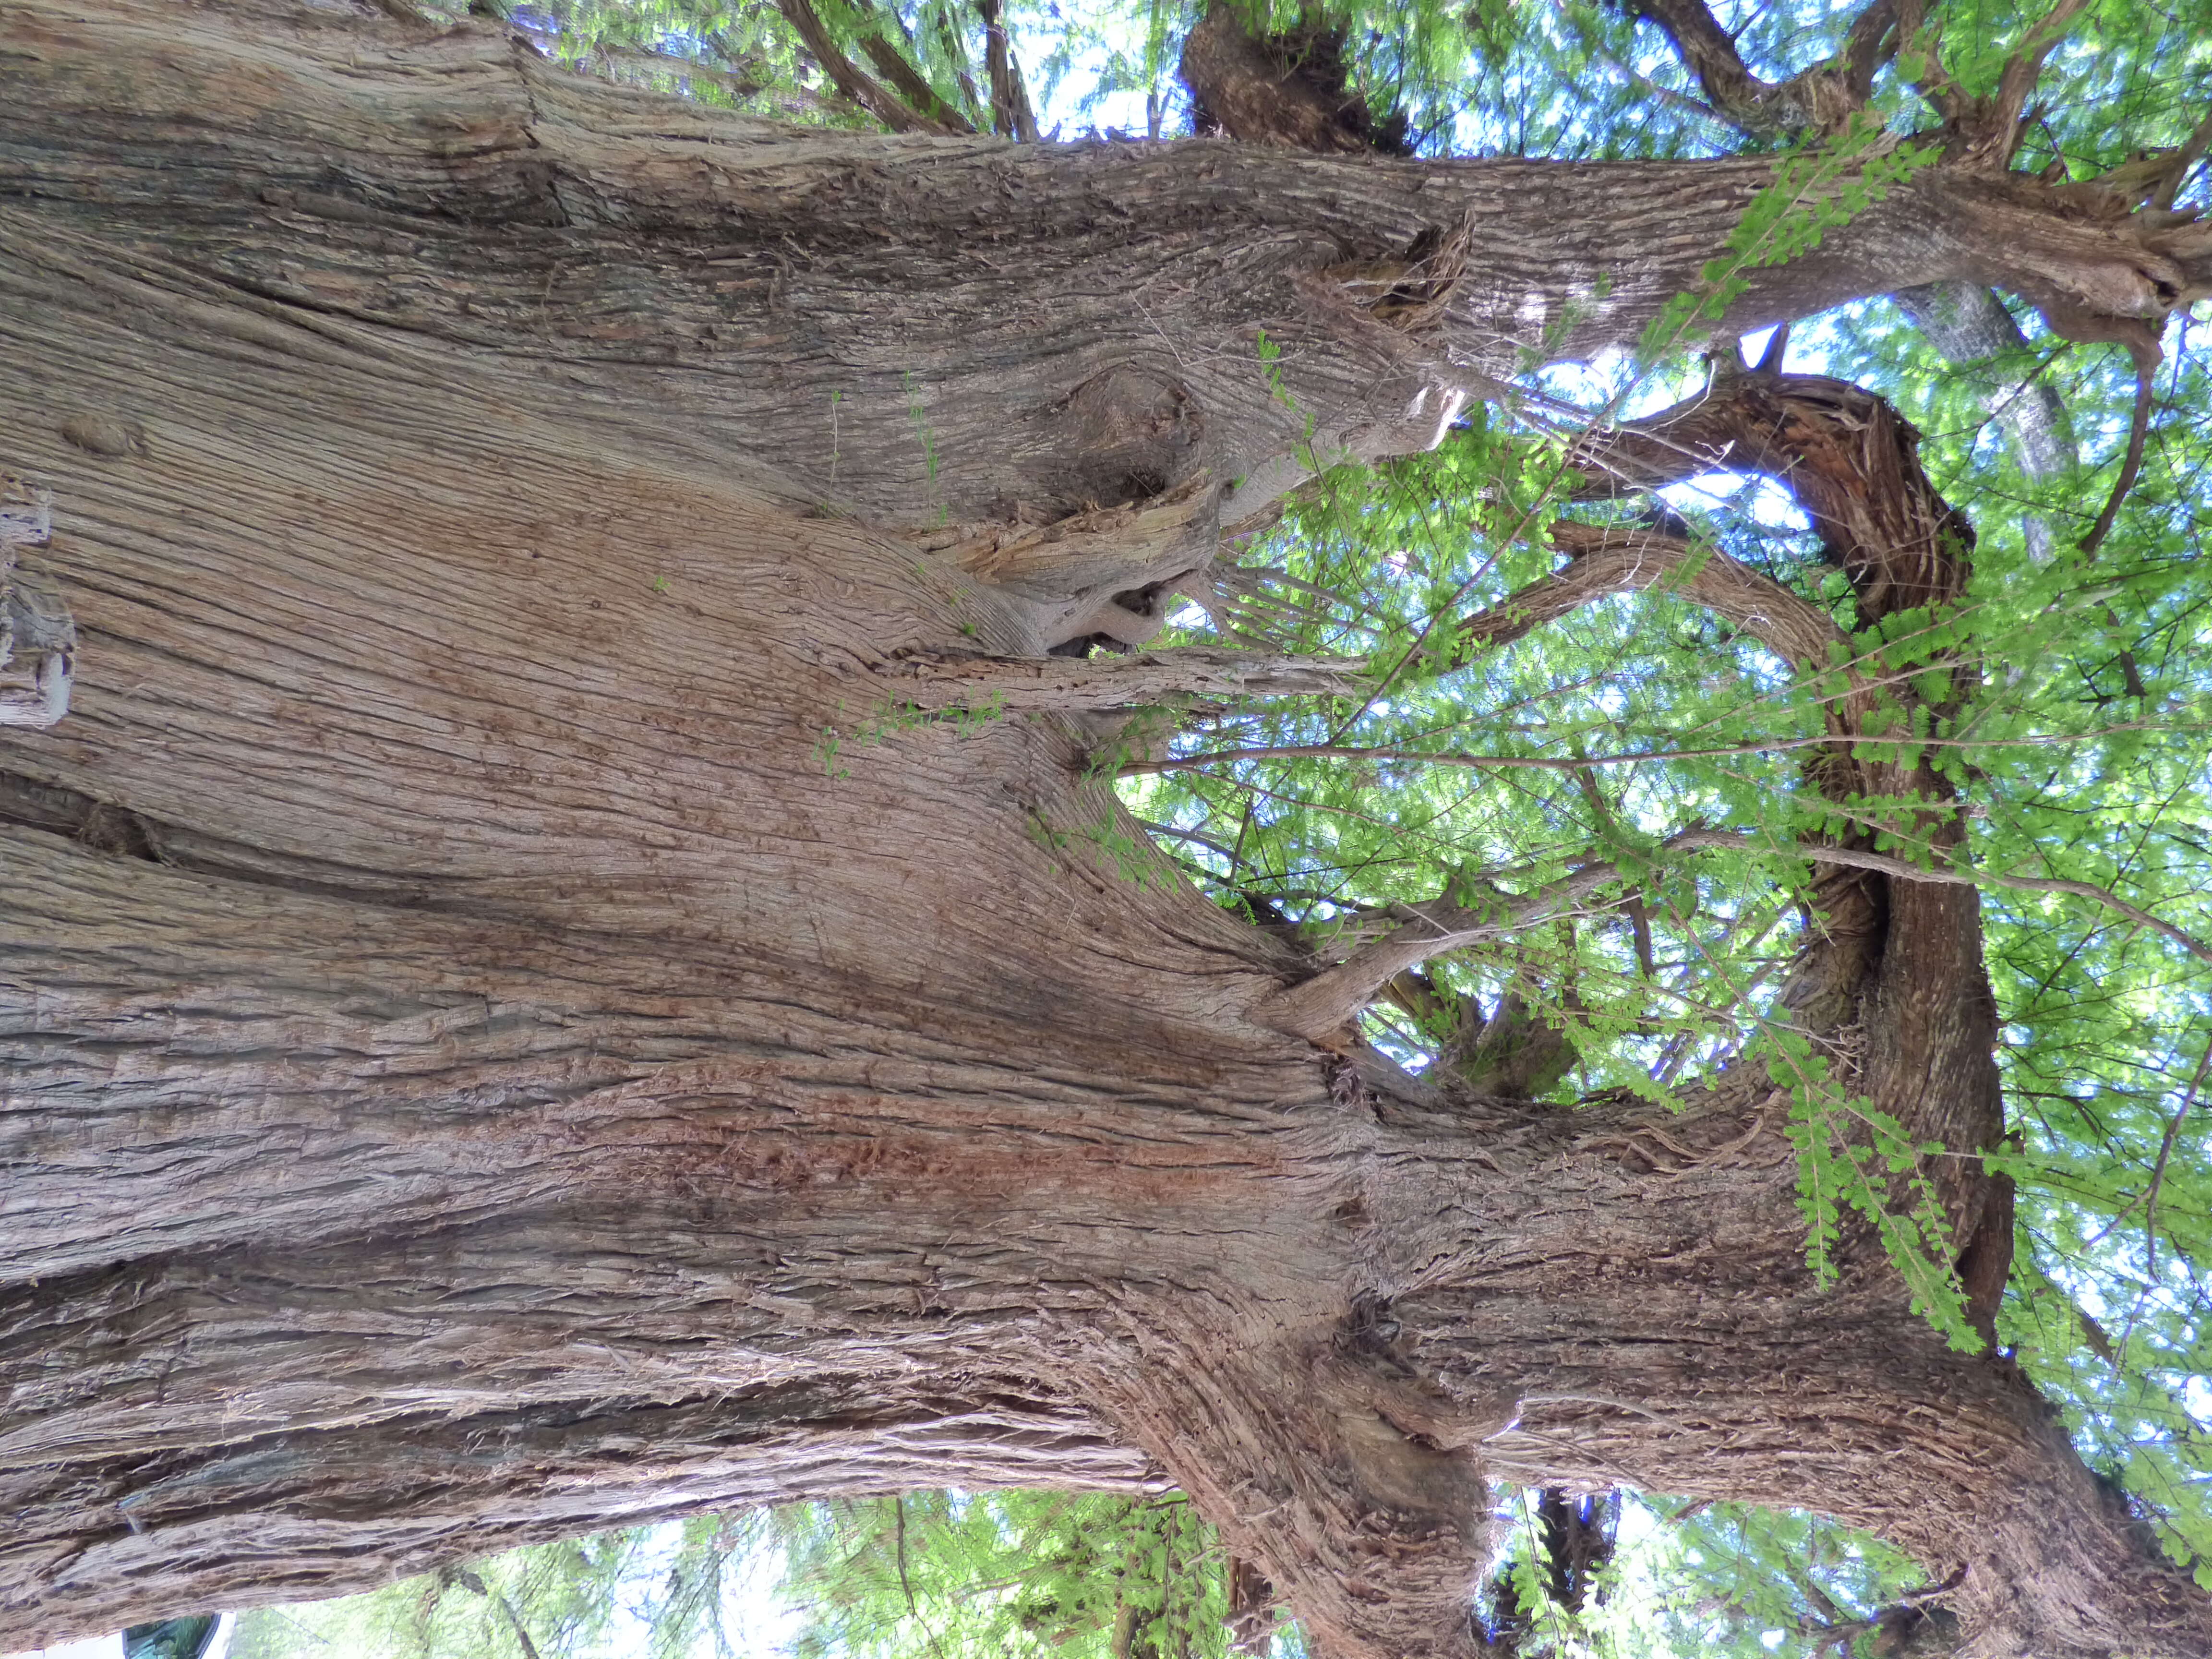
(1851, 1155)
(1014, 1574)
(885, 721)
(1723, 1580)
(932, 1575)
(1817, 187)
(1022, 1575)
(651, 1593)
(917, 411)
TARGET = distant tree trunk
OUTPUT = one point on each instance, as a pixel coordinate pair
(515, 1023)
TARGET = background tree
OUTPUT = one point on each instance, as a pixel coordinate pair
(736, 1014)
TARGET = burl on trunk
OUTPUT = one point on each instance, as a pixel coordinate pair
(519, 1020)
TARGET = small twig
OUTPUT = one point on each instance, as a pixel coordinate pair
(2147, 361)
(1860, 859)
(2157, 1171)
(1577, 763)
(898, 1507)
(522, 1635)
(2190, 152)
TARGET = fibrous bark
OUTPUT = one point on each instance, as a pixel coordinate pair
(1292, 89)
(499, 1043)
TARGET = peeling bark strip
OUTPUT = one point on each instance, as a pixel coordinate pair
(948, 680)
(476, 1073)
(38, 637)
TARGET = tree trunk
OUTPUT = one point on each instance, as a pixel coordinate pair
(520, 1024)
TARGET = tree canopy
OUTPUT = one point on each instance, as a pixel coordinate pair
(1095, 1575)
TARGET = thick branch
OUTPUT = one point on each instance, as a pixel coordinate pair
(1011, 115)
(1821, 98)
(855, 82)
(1970, 326)
(1322, 1005)
(1606, 559)
(1997, 120)
(1357, 1491)
(722, 232)
(897, 68)
(261, 1446)
(1848, 458)
(1289, 91)
(1708, 53)
(947, 680)
(1625, 1394)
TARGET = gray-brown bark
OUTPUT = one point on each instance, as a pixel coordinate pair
(1818, 99)
(1292, 90)
(492, 1051)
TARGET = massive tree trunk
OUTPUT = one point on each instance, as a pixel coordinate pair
(517, 1023)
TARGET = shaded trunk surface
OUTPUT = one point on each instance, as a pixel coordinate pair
(512, 1027)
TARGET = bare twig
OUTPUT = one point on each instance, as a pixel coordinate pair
(1633, 757)
(738, 82)
(2147, 361)
(1905, 869)
(1320, 1006)
(2191, 151)
(898, 1506)
(2157, 1171)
